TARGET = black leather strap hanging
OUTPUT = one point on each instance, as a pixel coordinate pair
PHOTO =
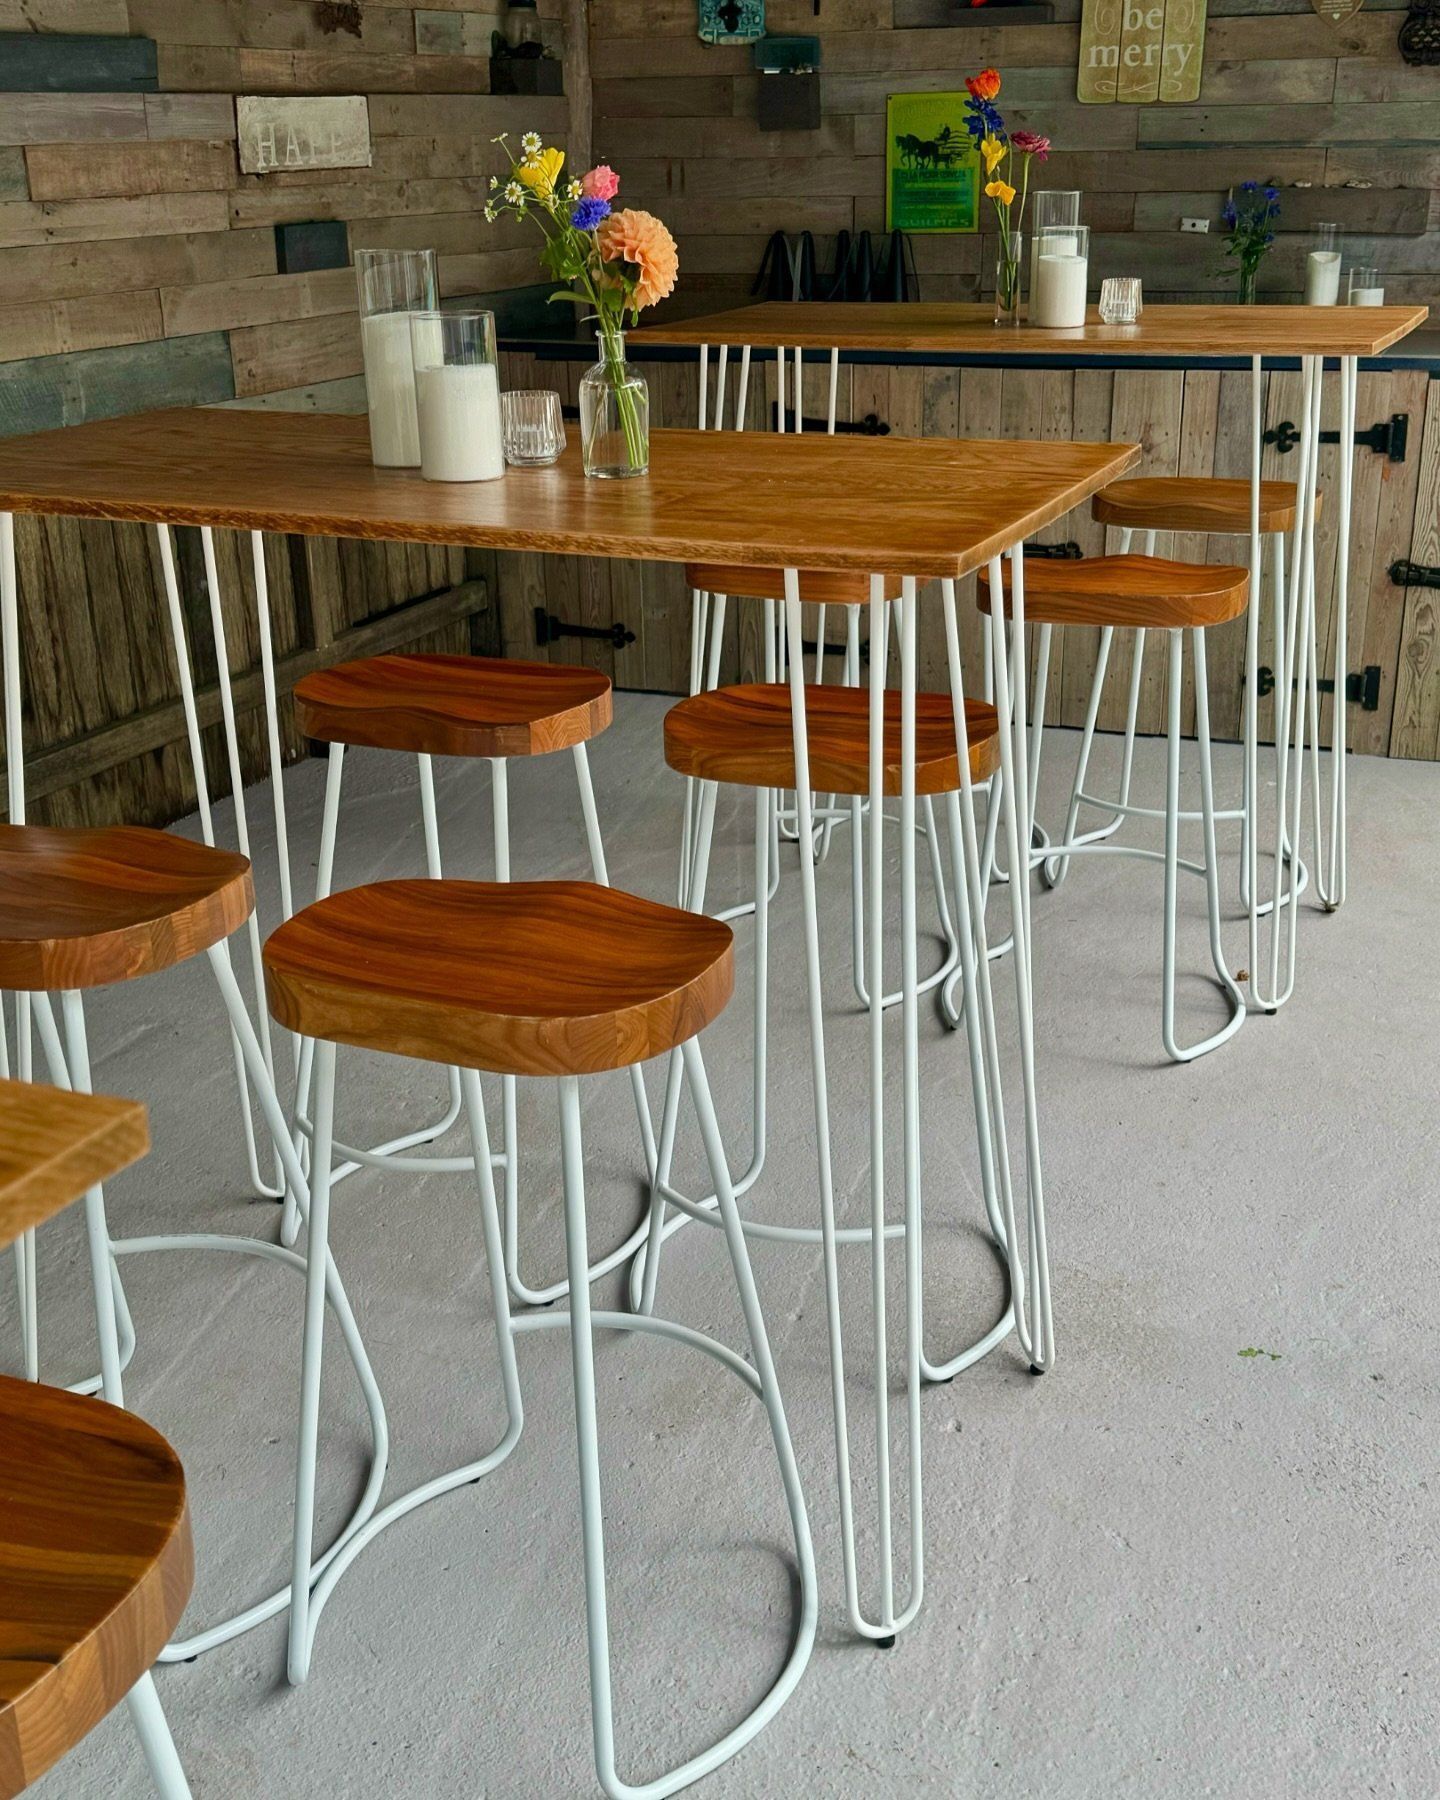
(834, 288)
(772, 278)
(805, 267)
(896, 277)
(862, 279)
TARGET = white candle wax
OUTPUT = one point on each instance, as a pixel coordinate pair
(460, 437)
(1058, 242)
(390, 389)
(1322, 278)
(1059, 296)
(1367, 296)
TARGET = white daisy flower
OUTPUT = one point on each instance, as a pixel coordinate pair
(514, 193)
(489, 215)
(573, 190)
(530, 143)
(494, 183)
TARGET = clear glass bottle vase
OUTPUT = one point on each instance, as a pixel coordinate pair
(614, 414)
(1007, 278)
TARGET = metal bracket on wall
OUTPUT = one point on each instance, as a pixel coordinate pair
(1388, 439)
(549, 628)
(1412, 574)
(1362, 686)
(872, 425)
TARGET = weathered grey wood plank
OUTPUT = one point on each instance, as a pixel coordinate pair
(43, 392)
(62, 63)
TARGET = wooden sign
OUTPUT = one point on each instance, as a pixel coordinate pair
(1133, 52)
(326, 131)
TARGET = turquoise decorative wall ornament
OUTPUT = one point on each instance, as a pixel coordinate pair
(732, 21)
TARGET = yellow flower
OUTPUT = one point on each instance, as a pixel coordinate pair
(1001, 191)
(992, 150)
(541, 171)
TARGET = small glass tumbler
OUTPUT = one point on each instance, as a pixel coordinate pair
(533, 426)
(1121, 302)
(1367, 287)
(392, 284)
(457, 396)
(1322, 267)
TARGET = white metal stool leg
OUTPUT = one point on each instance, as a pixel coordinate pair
(762, 1380)
(161, 1757)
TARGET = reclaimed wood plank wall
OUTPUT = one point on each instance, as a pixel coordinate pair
(139, 268)
(1286, 97)
(1192, 422)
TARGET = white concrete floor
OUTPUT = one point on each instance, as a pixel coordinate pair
(1172, 1568)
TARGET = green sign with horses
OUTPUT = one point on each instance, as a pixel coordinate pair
(932, 172)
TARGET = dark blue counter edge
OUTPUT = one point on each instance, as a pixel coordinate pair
(569, 350)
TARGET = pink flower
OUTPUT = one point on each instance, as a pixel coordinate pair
(602, 183)
(1030, 143)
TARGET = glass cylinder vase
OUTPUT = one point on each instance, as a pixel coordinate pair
(1249, 276)
(457, 396)
(1007, 278)
(1050, 209)
(1322, 267)
(614, 414)
(392, 285)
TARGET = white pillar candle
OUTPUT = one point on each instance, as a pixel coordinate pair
(1367, 296)
(1055, 241)
(390, 389)
(1058, 297)
(459, 412)
(1322, 278)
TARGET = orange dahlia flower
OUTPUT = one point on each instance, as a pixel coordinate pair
(985, 85)
(639, 239)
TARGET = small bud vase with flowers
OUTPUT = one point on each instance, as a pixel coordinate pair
(1007, 186)
(619, 262)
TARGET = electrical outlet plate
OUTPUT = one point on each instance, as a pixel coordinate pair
(1194, 224)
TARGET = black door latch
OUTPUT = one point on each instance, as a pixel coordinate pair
(1412, 574)
(549, 628)
(872, 425)
(1362, 686)
(1389, 439)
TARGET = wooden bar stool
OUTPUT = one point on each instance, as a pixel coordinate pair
(96, 1563)
(465, 974)
(717, 583)
(85, 908)
(466, 706)
(1143, 593)
(1218, 506)
(744, 736)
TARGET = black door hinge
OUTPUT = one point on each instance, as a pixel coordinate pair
(1412, 574)
(1069, 551)
(872, 425)
(549, 628)
(1362, 686)
(1389, 439)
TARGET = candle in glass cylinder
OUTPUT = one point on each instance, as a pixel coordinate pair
(457, 395)
(1322, 268)
(392, 285)
(1057, 299)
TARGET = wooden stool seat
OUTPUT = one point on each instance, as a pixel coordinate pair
(453, 705)
(96, 1565)
(517, 977)
(1195, 503)
(818, 587)
(1126, 591)
(742, 735)
(82, 907)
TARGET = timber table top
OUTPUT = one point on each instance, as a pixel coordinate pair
(54, 1145)
(892, 506)
(1198, 331)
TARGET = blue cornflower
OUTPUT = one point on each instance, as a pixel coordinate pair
(1248, 187)
(587, 213)
(1272, 193)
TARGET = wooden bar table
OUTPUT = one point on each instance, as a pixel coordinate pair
(899, 508)
(1262, 334)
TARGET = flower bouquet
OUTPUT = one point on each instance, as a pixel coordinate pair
(1004, 182)
(1249, 222)
(619, 263)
